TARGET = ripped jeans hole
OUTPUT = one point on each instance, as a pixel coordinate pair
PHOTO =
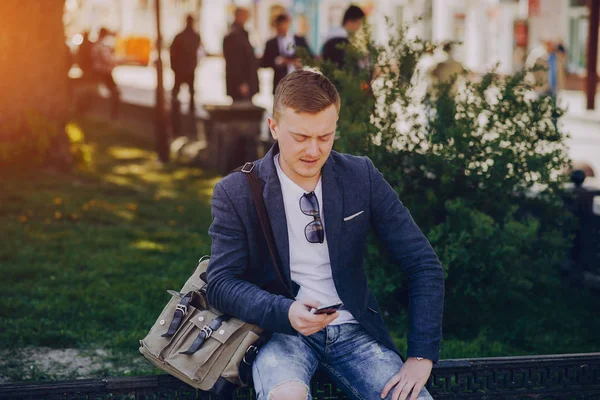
(294, 384)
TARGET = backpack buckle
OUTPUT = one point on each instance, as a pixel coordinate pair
(248, 167)
(207, 331)
(251, 351)
(182, 308)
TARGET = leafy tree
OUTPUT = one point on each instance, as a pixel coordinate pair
(34, 62)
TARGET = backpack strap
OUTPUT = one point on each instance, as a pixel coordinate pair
(256, 188)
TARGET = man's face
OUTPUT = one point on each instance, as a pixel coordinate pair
(242, 16)
(305, 141)
(283, 28)
(353, 26)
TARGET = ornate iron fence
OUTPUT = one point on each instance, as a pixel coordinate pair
(564, 377)
(584, 259)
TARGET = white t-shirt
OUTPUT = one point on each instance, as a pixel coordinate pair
(309, 262)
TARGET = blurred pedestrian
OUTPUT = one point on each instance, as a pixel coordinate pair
(281, 51)
(84, 55)
(561, 70)
(241, 65)
(543, 75)
(184, 60)
(334, 50)
(552, 68)
(103, 63)
(542, 61)
(83, 59)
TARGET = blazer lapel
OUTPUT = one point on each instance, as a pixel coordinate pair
(332, 210)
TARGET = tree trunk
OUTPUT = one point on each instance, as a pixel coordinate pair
(34, 62)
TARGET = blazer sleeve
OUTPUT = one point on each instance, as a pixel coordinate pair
(268, 58)
(301, 42)
(227, 290)
(410, 249)
(175, 53)
(233, 64)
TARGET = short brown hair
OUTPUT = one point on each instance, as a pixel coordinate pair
(305, 92)
(281, 18)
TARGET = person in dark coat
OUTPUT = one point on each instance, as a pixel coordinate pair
(280, 51)
(241, 65)
(338, 37)
(84, 55)
(184, 60)
(103, 64)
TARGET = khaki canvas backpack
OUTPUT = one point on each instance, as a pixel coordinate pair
(197, 343)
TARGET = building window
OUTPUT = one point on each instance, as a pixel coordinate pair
(578, 32)
(579, 3)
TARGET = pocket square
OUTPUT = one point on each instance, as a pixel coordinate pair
(353, 216)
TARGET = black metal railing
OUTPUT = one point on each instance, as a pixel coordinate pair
(564, 377)
(585, 253)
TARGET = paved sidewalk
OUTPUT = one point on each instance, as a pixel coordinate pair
(138, 84)
(584, 128)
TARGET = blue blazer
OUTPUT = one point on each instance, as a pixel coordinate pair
(240, 265)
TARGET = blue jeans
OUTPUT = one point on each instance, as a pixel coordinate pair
(356, 362)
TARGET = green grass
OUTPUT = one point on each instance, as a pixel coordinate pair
(86, 260)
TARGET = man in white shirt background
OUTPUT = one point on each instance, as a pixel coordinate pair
(280, 51)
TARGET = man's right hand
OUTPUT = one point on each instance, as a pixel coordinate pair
(306, 322)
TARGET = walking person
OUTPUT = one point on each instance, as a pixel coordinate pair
(281, 51)
(334, 49)
(184, 60)
(542, 62)
(552, 68)
(241, 65)
(321, 205)
(84, 55)
(103, 64)
(561, 66)
(83, 59)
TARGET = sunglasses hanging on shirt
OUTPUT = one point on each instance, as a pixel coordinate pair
(309, 205)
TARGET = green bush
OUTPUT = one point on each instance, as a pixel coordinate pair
(478, 162)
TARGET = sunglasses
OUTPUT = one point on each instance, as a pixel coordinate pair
(309, 205)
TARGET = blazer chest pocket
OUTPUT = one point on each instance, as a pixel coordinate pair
(355, 227)
(354, 217)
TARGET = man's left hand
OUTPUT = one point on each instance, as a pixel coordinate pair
(413, 376)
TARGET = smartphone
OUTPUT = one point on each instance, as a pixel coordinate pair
(327, 309)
